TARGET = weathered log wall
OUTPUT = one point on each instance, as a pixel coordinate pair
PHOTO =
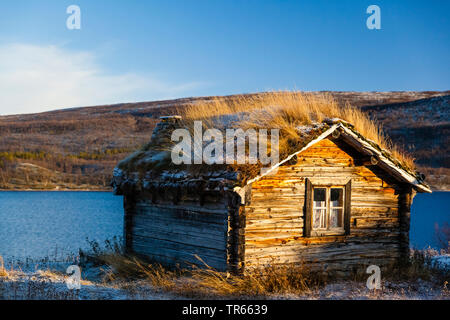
(174, 233)
(174, 227)
(274, 231)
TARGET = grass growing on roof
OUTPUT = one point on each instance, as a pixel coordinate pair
(287, 110)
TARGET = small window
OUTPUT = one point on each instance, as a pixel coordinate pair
(328, 209)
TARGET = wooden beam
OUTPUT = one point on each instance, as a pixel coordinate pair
(369, 161)
(308, 207)
(405, 199)
(235, 234)
(348, 206)
(336, 134)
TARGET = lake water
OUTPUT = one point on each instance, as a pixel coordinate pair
(56, 224)
(428, 210)
(51, 224)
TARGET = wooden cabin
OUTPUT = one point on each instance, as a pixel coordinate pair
(339, 202)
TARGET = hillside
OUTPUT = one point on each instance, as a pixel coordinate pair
(422, 128)
(78, 148)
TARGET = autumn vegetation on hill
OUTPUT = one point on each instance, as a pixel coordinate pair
(78, 148)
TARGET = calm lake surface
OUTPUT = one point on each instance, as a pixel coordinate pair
(55, 224)
(427, 211)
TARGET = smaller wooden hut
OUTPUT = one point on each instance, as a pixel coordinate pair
(339, 202)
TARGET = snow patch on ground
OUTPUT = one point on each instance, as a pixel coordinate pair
(51, 285)
(46, 285)
(350, 290)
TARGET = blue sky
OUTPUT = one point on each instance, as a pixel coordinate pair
(147, 50)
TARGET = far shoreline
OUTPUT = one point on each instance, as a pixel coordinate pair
(93, 190)
(56, 190)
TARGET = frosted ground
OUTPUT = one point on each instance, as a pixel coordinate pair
(51, 285)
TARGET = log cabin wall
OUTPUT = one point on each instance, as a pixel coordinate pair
(405, 202)
(173, 233)
(274, 231)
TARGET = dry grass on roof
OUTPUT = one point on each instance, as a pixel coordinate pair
(287, 110)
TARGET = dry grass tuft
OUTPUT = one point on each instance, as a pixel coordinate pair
(442, 235)
(201, 282)
(3, 272)
(127, 267)
(418, 266)
(288, 109)
(274, 279)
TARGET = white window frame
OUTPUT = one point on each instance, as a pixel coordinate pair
(328, 230)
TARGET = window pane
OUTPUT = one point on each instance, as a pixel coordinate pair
(319, 197)
(337, 196)
(336, 218)
(319, 219)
